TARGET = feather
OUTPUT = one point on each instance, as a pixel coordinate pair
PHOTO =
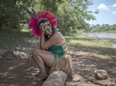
(28, 11)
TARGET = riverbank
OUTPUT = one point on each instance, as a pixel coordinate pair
(106, 37)
(103, 35)
(86, 40)
(86, 57)
(18, 71)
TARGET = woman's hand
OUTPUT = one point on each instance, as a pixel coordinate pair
(42, 27)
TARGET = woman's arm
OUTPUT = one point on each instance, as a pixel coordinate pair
(52, 41)
(42, 41)
(42, 38)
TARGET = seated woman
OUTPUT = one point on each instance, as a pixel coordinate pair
(53, 48)
(52, 51)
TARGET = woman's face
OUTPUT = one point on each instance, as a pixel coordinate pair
(46, 28)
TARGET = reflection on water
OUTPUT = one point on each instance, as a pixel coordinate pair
(114, 45)
(104, 35)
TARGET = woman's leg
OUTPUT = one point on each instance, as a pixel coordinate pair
(42, 57)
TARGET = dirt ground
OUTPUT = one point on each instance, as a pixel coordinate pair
(17, 71)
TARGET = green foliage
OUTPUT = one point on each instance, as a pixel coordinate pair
(71, 14)
(103, 28)
(51, 5)
(11, 14)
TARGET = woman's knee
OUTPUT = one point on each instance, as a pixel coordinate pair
(35, 52)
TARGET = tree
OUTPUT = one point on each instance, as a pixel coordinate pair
(71, 14)
(11, 14)
(103, 28)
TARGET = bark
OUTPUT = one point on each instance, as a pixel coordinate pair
(57, 78)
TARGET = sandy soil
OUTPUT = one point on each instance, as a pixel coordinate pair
(17, 71)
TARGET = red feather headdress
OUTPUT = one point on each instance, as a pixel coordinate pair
(43, 14)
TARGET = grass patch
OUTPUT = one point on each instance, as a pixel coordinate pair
(90, 43)
(87, 41)
(24, 39)
(9, 39)
(13, 39)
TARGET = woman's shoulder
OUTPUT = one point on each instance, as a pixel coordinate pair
(56, 37)
(60, 37)
(59, 34)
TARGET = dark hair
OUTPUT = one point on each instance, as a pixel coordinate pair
(43, 20)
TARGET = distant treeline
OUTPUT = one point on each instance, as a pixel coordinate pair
(103, 28)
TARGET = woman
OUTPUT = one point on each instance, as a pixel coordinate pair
(52, 51)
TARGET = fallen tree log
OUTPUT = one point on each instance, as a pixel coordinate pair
(57, 78)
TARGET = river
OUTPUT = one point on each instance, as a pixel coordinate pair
(105, 35)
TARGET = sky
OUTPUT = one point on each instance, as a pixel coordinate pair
(107, 11)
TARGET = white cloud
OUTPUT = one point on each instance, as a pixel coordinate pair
(102, 7)
(114, 12)
(114, 5)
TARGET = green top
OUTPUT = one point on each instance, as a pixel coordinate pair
(57, 50)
